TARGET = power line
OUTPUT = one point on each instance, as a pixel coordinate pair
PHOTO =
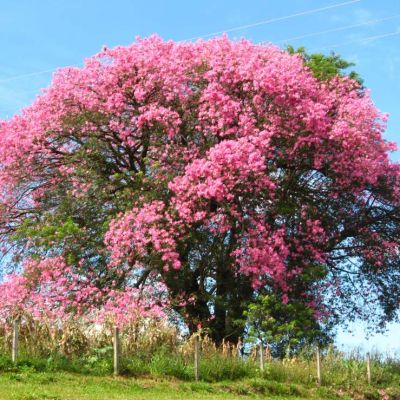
(265, 22)
(270, 21)
(342, 28)
(362, 40)
(12, 78)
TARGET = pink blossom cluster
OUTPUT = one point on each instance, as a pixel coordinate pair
(48, 290)
(128, 307)
(132, 234)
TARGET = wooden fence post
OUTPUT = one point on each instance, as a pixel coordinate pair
(239, 348)
(15, 339)
(369, 368)
(197, 357)
(261, 357)
(116, 344)
(318, 366)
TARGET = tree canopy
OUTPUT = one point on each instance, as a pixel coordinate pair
(201, 175)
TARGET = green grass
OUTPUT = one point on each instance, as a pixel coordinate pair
(164, 374)
(213, 368)
(27, 384)
(66, 386)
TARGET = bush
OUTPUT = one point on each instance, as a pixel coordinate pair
(217, 367)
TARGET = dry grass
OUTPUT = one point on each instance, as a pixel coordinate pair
(153, 349)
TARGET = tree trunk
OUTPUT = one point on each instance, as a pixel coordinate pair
(233, 293)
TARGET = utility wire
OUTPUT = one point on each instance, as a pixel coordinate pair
(361, 40)
(12, 78)
(270, 21)
(342, 28)
(265, 22)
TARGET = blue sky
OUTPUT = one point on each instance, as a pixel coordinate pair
(36, 37)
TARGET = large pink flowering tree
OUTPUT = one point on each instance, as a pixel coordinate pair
(220, 169)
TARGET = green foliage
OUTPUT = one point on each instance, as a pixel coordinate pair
(325, 67)
(50, 230)
(285, 328)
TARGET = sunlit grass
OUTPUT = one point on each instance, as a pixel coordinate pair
(159, 364)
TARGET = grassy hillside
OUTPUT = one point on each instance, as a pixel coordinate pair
(222, 378)
(29, 385)
(153, 367)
